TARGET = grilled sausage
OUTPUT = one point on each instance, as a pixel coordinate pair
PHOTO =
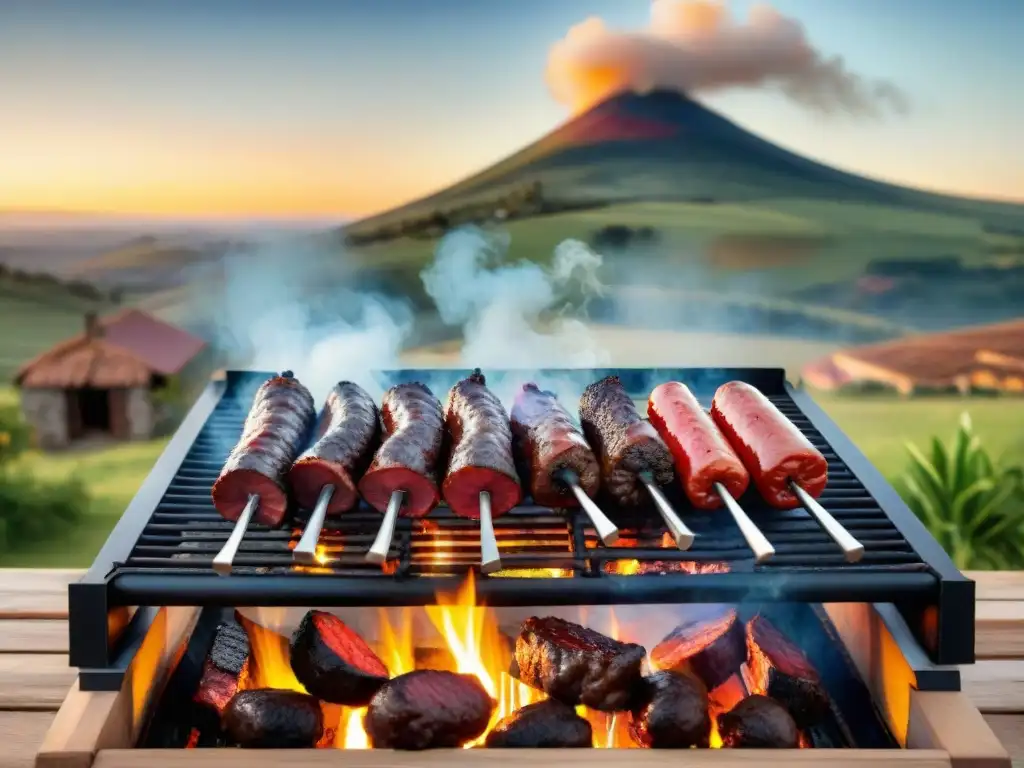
(408, 458)
(773, 450)
(275, 431)
(481, 457)
(625, 443)
(546, 442)
(702, 455)
(348, 434)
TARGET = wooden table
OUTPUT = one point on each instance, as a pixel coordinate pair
(35, 677)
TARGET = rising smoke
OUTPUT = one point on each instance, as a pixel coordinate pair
(696, 46)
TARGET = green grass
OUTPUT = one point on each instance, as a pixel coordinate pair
(878, 425)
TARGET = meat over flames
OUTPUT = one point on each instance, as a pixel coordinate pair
(713, 682)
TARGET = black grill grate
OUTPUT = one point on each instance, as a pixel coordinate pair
(184, 532)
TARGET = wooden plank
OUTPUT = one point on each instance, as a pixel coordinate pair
(32, 593)
(995, 685)
(516, 758)
(34, 681)
(950, 722)
(21, 733)
(999, 632)
(33, 636)
(997, 585)
(1009, 729)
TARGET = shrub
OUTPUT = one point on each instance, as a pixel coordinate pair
(971, 505)
(33, 510)
(15, 434)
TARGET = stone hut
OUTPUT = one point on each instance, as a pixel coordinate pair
(107, 379)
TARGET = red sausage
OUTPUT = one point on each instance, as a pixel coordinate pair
(702, 455)
(772, 448)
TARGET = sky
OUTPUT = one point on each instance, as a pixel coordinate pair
(348, 107)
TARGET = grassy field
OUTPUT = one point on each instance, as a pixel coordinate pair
(879, 427)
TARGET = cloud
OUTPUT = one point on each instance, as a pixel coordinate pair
(696, 46)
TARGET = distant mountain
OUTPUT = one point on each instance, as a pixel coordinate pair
(665, 146)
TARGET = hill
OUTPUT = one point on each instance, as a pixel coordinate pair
(665, 146)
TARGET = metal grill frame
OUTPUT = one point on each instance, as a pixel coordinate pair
(937, 601)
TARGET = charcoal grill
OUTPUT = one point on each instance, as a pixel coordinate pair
(161, 551)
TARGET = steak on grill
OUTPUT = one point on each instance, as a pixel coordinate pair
(481, 456)
(427, 709)
(577, 665)
(710, 645)
(544, 724)
(671, 712)
(274, 433)
(333, 663)
(778, 668)
(758, 722)
(273, 719)
(347, 436)
(547, 443)
(409, 457)
(625, 444)
(226, 665)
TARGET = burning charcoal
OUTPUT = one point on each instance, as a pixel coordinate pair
(273, 719)
(226, 665)
(672, 712)
(711, 646)
(577, 665)
(333, 663)
(778, 668)
(544, 724)
(758, 722)
(427, 709)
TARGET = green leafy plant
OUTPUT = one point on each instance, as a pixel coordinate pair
(973, 506)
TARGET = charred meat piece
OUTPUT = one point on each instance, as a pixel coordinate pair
(267, 718)
(546, 443)
(711, 645)
(427, 709)
(576, 665)
(772, 448)
(333, 663)
(758, 722)
(703, 456)
(544, 724)
(348, 434)
(408, 458)
(481, 455)
(778, 668)
(671, 713)
(226, 665)
(625, 444)
(275, 432)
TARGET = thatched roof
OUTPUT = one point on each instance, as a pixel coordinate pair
(123, 350)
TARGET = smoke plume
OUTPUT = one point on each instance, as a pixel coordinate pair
(696, 46)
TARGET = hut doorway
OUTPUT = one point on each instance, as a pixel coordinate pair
(94, 409)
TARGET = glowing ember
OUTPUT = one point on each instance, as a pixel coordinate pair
(722, 699)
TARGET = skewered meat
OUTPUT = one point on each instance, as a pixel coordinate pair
(758, 722)
(481, 457)
(333, 663)
(672, 712)
(408, 458)
(427, 709)
(273, 719)
(778, 668)
(773, 450)
(275, 431)
(541, 725)
(577, 665)
(348, 434)
(547, 442)
(625, 443)
(702, 455)
(711, 645)
(226, 665)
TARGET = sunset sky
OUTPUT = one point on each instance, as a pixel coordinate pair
(253, 107)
